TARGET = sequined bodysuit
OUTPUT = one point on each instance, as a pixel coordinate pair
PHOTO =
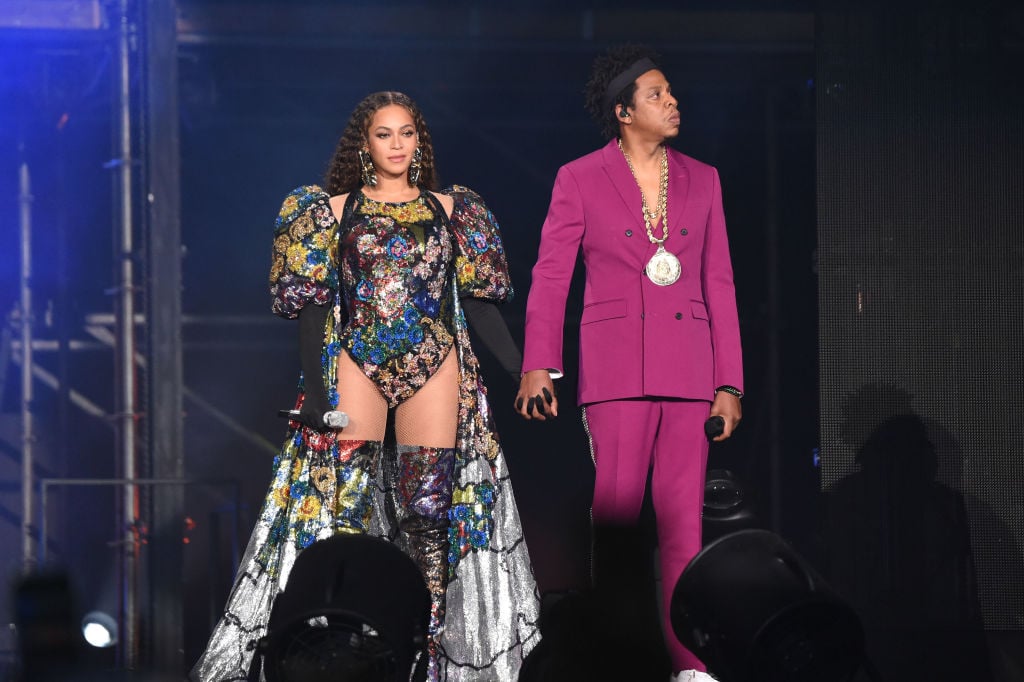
(395, 265)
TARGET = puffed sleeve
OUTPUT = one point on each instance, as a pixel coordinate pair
(481, 269)
(305, 241)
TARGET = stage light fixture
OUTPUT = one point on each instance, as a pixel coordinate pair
(356, 608)
(99, 629)
(754, 611)
(727, 506)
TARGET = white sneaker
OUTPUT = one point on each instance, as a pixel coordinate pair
(691, 676)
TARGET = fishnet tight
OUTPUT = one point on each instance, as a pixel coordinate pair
(429, 418)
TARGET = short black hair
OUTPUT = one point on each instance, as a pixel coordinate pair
(605, 68)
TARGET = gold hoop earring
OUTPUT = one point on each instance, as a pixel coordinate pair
(416, 167)
(369, 172)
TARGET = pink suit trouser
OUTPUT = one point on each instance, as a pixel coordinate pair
(665, 437)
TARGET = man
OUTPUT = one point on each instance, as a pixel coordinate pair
(659, 334)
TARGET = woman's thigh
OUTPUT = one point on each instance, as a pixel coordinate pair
(430, 417)
(359, 398)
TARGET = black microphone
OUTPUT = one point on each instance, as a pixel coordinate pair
(332, 420)
(714, 426)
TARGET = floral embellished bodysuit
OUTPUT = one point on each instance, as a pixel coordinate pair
(395, 262)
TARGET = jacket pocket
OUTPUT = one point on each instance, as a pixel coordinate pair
(698, 310)
(603, 310)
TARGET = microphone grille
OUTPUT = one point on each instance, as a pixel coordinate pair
(335, 419)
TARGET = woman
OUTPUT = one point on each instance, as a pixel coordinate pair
(378, 268)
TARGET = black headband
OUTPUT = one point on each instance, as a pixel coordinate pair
(619, 83)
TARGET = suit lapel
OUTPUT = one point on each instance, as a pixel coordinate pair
(678, 188)
(625, 184)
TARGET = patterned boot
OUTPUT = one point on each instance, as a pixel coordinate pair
(352, 477)
(426, 479)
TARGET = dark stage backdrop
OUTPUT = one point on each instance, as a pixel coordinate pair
(921, 328)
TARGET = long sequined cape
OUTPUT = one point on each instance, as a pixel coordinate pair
(319, 489)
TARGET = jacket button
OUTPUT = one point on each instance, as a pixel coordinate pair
(679, 316)
(683, 232)
(641, 316)
(629, 233)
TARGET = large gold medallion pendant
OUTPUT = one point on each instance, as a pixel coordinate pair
(663, 268)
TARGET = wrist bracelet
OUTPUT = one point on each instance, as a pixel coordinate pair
(731, 390)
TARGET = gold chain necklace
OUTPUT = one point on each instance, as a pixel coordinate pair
(663, 268)
(650, 217)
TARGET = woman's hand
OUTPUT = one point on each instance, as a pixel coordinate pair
(314, 406)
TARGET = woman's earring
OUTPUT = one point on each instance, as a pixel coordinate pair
(416, 167)
(368, 171)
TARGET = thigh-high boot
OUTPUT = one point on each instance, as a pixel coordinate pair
(426, 479)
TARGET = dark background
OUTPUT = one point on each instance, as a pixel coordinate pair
(920, 150)
(815, 147)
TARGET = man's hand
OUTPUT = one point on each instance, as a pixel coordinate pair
(536, 398)
(727, 406)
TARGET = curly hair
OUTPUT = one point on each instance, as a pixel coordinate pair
(605, 68)
(344, 174)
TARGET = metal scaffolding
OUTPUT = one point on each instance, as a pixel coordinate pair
(147, 415)
(28, 552)
(126, 411)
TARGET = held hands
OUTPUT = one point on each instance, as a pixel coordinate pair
(536, 398)
(726, 406)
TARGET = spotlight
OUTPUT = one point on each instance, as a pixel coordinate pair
(99, 629)
(727, 507)
(753, 610)
(355, 608)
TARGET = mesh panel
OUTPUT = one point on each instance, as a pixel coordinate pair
(429, 418)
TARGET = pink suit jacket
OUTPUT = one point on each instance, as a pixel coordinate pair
(637, 339)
